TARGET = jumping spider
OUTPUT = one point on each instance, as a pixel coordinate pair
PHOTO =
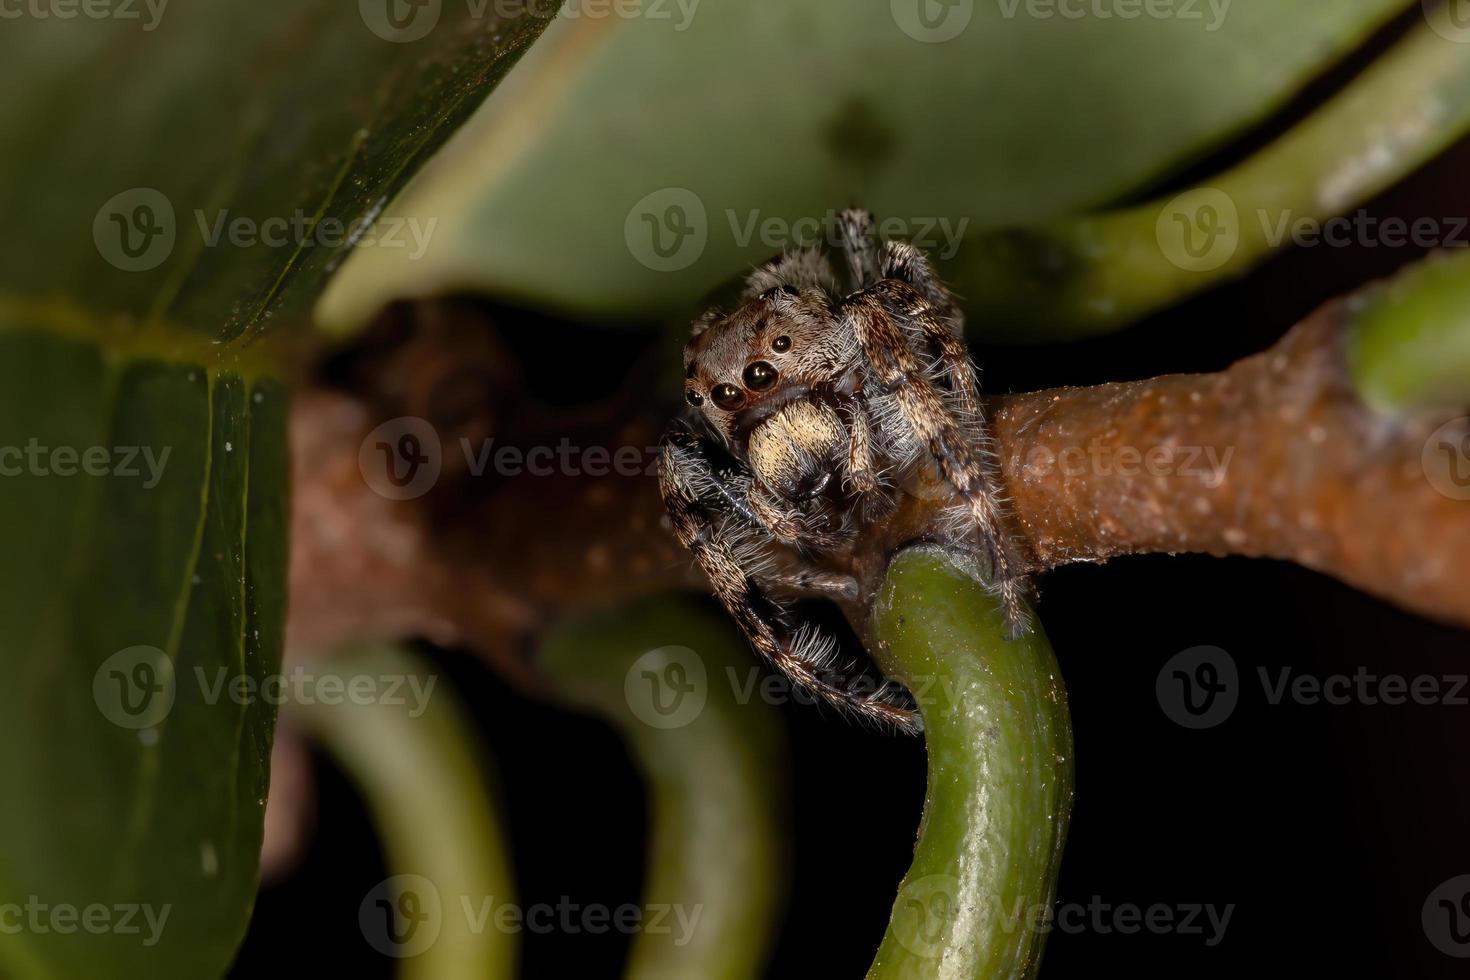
(813, 411)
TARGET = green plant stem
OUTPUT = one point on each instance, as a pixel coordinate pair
(1409, 338)
(1091, 275)
(999, 796)
(715, 772)
(425, 785)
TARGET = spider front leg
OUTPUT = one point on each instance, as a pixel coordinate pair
(859, 243)
(942, 324)
(861, 473)
(709, 520)
(876, 317)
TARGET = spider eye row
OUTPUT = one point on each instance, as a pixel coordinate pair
(758, 376)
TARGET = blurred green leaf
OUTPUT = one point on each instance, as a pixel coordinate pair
(1091, 274)
(142, 436)
(684, 133)
(667, 675)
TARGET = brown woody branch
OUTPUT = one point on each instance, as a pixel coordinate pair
(1274, 457)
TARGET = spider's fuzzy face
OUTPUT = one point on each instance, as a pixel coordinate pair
(763, 377)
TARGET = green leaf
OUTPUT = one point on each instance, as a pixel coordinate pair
(133, 585)
(723, 117)
(999, 739)
(135, 784)
(662, 673)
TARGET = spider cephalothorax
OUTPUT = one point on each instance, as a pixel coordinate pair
(812, 407)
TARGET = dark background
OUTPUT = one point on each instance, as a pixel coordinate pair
(1326, 827)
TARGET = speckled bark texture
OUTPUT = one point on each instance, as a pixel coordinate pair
(1275, 457)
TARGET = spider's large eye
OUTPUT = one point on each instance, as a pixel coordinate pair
(759, 376)
(727, 397)
(781, 344)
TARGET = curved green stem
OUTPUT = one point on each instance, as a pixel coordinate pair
(1409, 338)
(412, 756)
(1000, 776)
(669, 676)
(1090, 275)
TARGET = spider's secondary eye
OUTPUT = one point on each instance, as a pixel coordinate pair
(759, 376)
(694, 398)
(781, 344)
(727, 396)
